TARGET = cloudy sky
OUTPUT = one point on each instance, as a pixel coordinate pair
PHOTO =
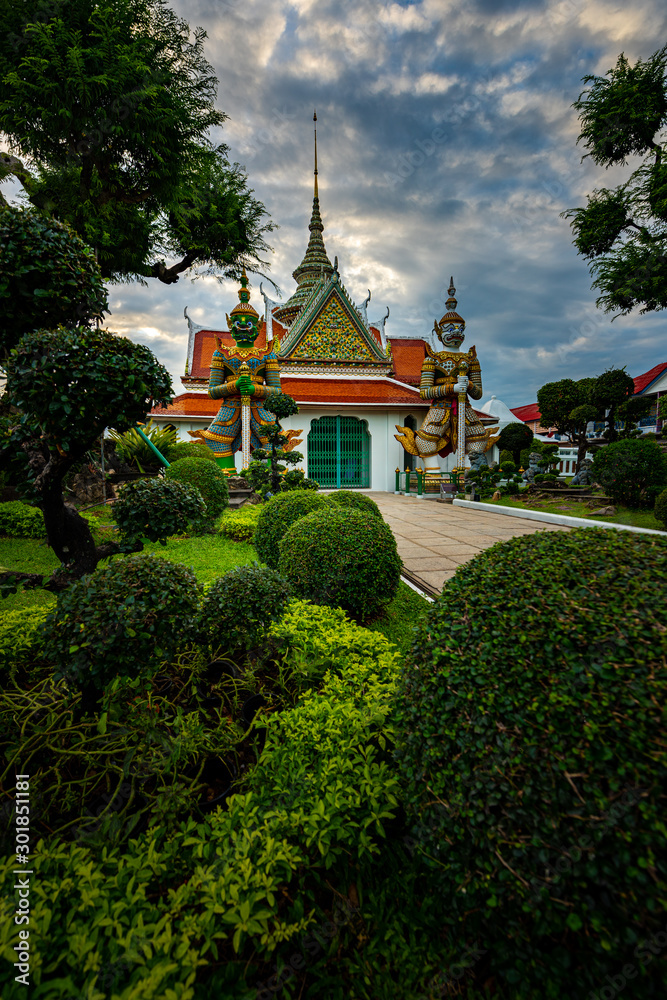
(447, 145)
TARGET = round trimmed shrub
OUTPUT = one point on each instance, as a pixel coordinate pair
(633, 472)
(530, 739)
(277, 515)
(209, 479)
(20, 520)
(156, 508)
(349, 498)
(240, 606)
(188, 449)
(660, 509)
(123, 619)
(345, 558)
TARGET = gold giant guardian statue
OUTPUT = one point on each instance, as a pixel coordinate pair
(449, 378)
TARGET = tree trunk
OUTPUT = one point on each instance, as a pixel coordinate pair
(582, 448)
(68, 533)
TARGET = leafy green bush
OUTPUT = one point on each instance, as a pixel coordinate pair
(546, 478)
(342, 557)
(121, 620)
(295, 479)
(277, 515)
(20, 639)
(633, 472)
(512, 487)
(660, 509)
(508, 468)
(188, 449)
(49, 276)
(240, 524)
(211, 894)
(211, 483)
(240, 606)
(532, 757)
(156, 508)
(131, 447)
(358, 501)
(20, 520)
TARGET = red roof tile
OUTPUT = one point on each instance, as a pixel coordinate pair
(643, 381)
(408, 354)
(526, 413)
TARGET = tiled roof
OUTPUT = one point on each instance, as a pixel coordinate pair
(643, 381)
(316, 391)
(526, 413)
(408, 354)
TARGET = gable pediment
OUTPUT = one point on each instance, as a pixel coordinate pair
(329, 328)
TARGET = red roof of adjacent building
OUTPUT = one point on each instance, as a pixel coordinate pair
(643, 381)
(408, 354)
(526, 413)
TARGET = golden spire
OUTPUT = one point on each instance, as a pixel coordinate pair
(315, 193)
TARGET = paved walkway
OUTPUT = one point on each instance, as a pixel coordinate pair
(434, 538)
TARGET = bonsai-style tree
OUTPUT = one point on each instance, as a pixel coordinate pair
(514, 437)
(265, 478)
(64, 387)
(568, 406)
(622, 233)
(613, 391)
(111, 103)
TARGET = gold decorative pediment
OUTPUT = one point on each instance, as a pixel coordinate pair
(333, 336)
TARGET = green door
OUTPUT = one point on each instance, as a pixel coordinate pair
(338, 452)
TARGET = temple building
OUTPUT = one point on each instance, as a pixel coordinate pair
(352, 382)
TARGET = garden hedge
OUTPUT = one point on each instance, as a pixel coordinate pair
(239, 607)
(358, 501)
(156, 509)
(121, 620)
(633, 472)
(209, 479)
(343, 558)
(20, 520)
(530, 737)
(277, 515)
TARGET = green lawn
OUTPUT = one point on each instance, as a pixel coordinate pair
(575, 508)
(210, 556)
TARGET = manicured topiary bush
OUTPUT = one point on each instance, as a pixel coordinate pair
(121, 620)
(531, 746)
(660, 509)
(240, 606)
(240, 524)
(277, 515)
(188, 449)
(157, 508)
(341, 557)
(209, 480)
(633, 472)
(350, 498)
(20, 520)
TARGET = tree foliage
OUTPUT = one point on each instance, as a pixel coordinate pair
(112, 102)
(567, 406)
(514, 437)
(623, 232)
(48, 277)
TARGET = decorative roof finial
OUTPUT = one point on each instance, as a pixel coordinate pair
(315, 193)
(451, 301)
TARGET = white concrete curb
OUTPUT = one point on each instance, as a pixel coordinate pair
(421, 593)
(569, 522)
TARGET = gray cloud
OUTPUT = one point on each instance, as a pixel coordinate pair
(447, 146)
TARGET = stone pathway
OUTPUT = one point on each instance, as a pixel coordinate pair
(434, 538)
